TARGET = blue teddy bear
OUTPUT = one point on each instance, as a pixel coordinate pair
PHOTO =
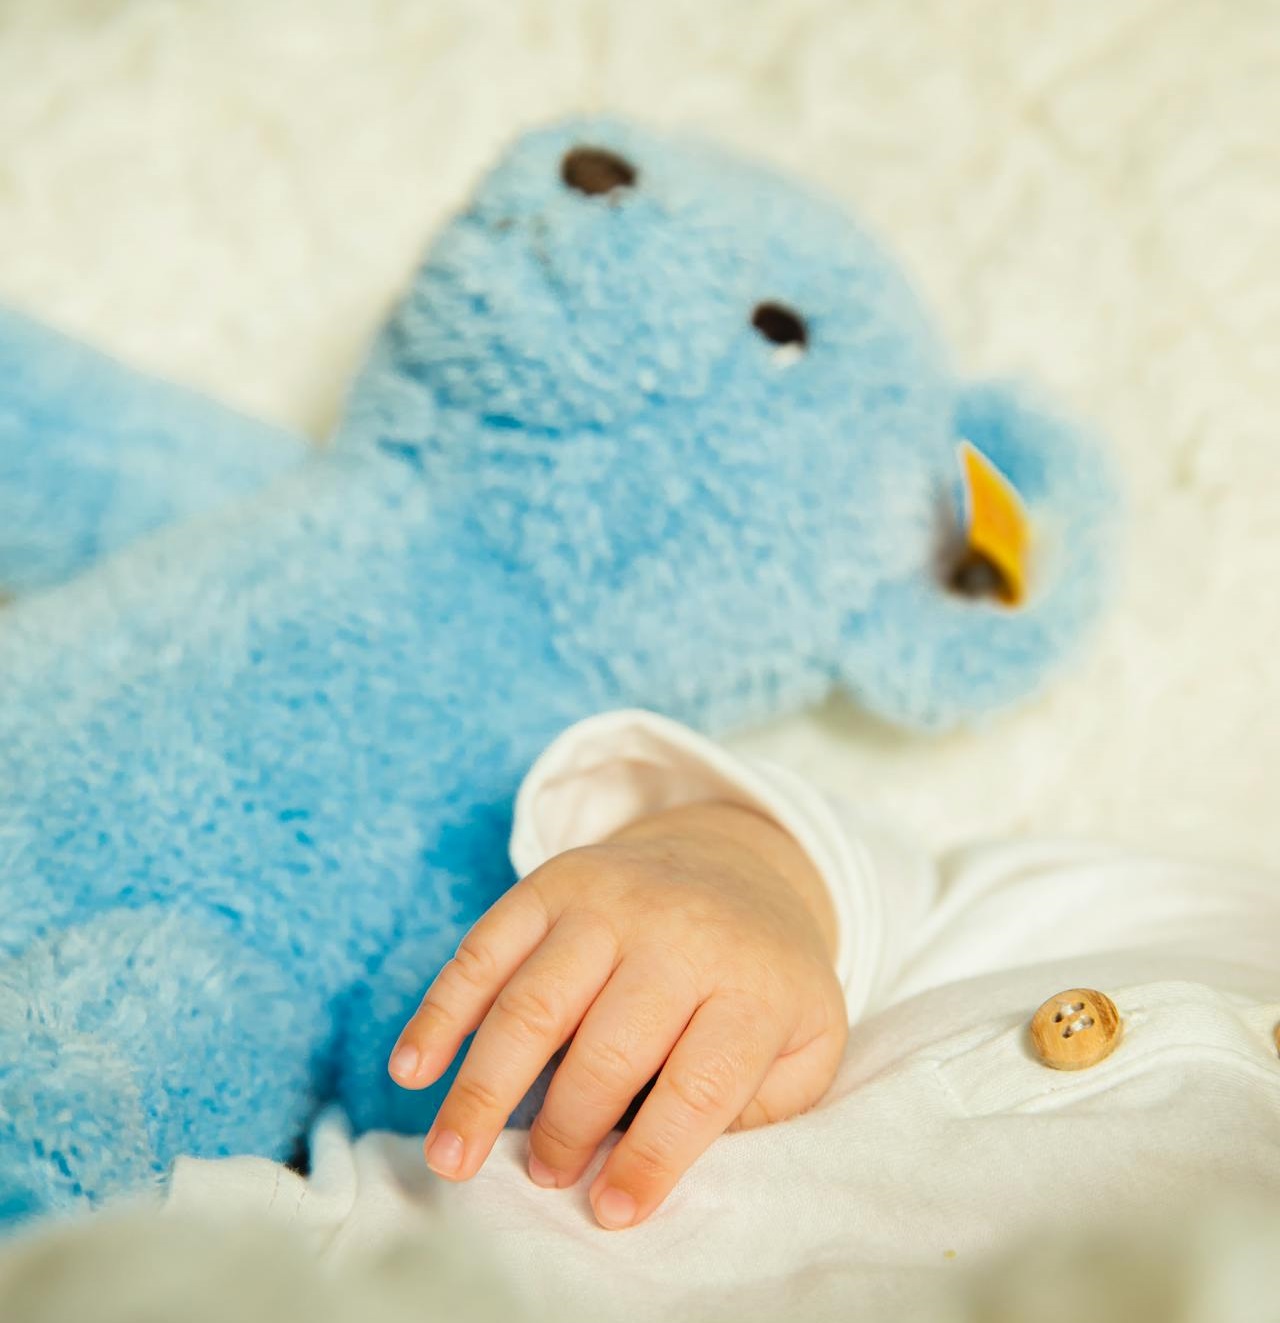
(651, 427)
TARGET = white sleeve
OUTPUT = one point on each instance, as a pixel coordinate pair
(612, 769)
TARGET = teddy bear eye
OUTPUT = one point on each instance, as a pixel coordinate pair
(781, 327)
(594, 170)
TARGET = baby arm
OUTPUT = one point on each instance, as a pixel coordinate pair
(697, 945)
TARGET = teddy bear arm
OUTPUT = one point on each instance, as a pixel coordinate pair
(94, 455)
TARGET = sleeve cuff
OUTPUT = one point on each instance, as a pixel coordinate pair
(609, 770)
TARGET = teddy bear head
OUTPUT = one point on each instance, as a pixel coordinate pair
(707, 415)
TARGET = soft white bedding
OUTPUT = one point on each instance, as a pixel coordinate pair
(1088, 192)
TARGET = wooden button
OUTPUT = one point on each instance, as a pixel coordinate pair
(1076, 1029)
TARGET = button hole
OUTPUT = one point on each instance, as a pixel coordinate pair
(1064, 1010)
(1078, 1026)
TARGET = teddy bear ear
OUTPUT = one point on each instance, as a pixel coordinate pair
(992, 541)
(1024, 568)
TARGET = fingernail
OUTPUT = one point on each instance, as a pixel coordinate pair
(404, 1061)
(615, 1209)
(444, 1153)
(541, 1174)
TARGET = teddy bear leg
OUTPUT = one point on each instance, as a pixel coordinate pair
(139, 1035)
(94, 455)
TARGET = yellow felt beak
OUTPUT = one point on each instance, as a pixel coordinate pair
(996, 528)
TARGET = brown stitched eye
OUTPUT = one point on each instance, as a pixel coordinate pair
(595, 170)
(779, 325)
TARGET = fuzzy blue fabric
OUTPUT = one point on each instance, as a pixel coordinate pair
(92, 457)
(257, 769)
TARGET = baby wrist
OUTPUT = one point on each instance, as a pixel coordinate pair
(739, 828)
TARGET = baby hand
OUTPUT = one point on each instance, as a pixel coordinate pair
(696, 945)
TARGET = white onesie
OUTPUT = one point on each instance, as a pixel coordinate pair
(945, 1135)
